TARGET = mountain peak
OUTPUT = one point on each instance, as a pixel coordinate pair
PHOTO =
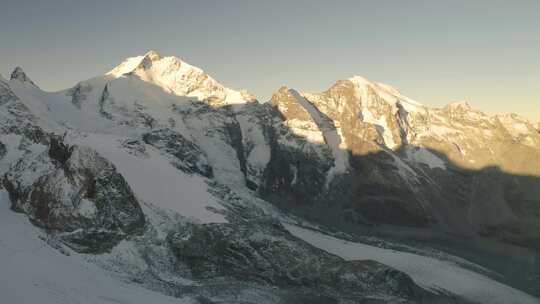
(461, 104)
(361, 81)
(386, 92)
(137, 62)
(20, 75)
(150, 58)
(147, 61)
(178, 77)
(153, 55)
(357, 79)
(283, 89)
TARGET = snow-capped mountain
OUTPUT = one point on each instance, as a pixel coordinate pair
(370, 115)
(157, 176)
(179, 78)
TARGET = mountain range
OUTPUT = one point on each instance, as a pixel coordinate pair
(156, 183)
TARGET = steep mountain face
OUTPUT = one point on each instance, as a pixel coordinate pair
(70, 191)
(19, 75)
(161, 174)
(75, 192)
(179, 78)
(468, 138)
(453, 168)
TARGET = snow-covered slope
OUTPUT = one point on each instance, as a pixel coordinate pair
(370, 116)
(330, 133)
(426, 271)
(178, 77)
(156, 181)
(454, 167)
(33, 271)
(155, 173)
(151, 92)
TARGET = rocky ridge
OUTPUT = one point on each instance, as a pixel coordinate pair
(358, 155)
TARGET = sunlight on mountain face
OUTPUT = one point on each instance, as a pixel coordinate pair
(177, 77)
(157, 177)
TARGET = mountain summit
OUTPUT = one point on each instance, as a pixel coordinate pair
(19, 75)
(179, 78)
(132, 63)
(157, 184)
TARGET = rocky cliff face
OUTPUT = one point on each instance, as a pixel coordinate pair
(272, 257)
(417, 166)
(187, 173)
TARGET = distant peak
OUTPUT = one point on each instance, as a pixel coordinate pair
(149, 59)
(132, 63)
(283, 94)
(145, 62)
(153, 55)
(386, 92)
(178, 77)
(462, 104)
(360, 79)
(284, 89)
(20, 75)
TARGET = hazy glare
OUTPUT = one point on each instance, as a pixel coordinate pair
(483, 51)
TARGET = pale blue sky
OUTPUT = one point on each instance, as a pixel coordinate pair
(483, 51)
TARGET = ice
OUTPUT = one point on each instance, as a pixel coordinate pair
(425, 271)
(155, 180)
(330, 133)
(33, 272)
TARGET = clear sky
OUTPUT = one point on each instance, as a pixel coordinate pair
(484, 51)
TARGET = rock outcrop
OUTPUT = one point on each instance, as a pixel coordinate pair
(150, 149)
(75, 193)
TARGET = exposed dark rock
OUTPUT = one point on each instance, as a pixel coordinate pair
(3, 150)
(20, 75)
(102, 102)
(78, 94)
(262, 251)
(234, 136)
(59, 151)
(37, 135)
(77, 196)
(77, 193)
(296, 173)
(191, 157)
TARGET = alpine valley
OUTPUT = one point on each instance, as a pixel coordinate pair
(154, 183)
